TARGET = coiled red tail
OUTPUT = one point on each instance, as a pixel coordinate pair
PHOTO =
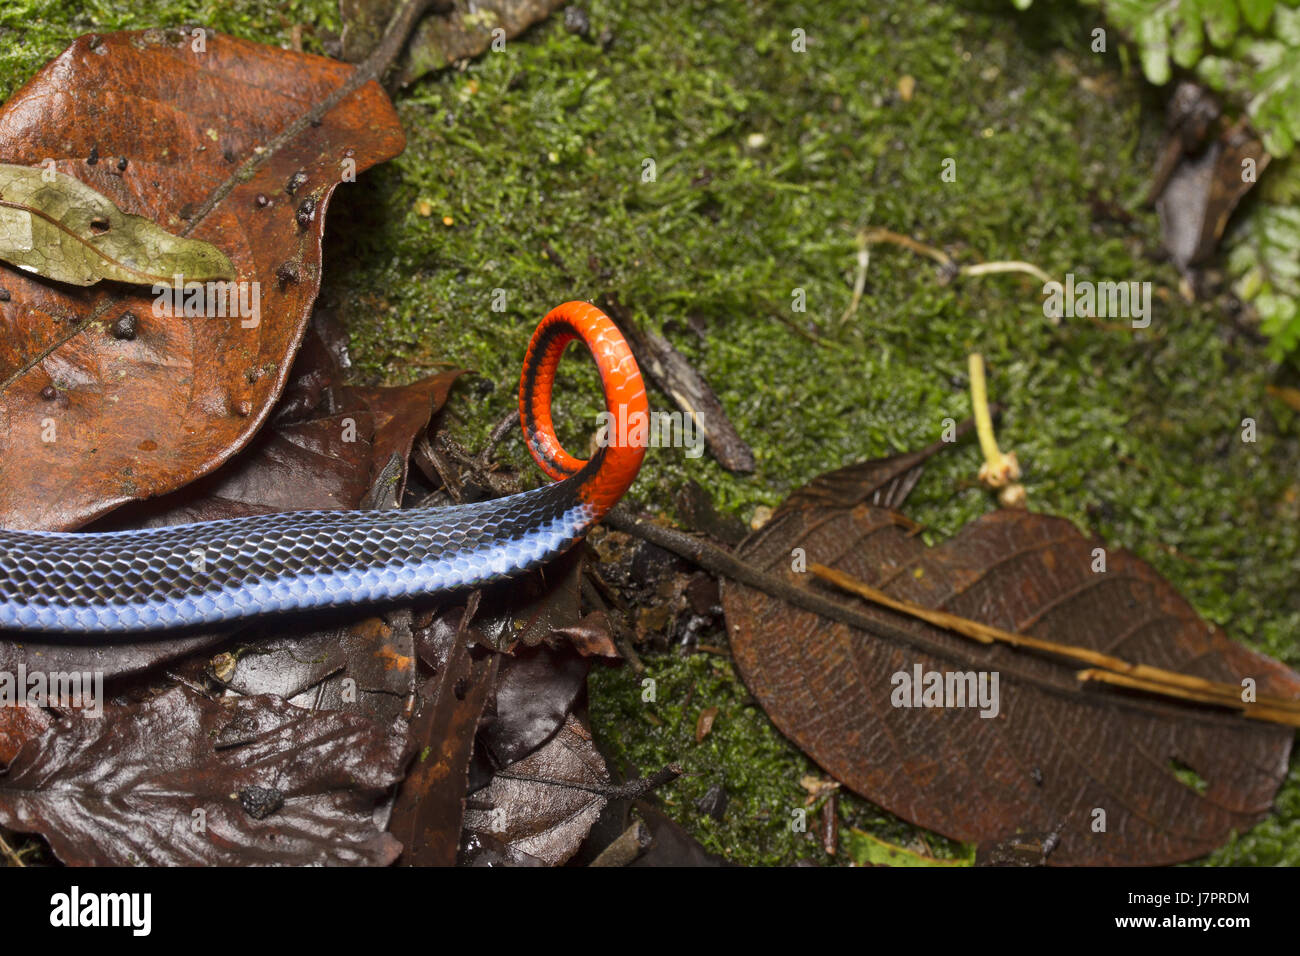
(627, 434)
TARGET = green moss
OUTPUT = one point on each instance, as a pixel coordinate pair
(769, 817)
(33, 31)
(768, 163)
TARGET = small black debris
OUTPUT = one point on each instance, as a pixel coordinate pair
(296, 182)
(713, 803)
(260, 802)
(125, 326)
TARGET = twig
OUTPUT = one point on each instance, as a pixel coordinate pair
(631, 790)
(949, 264)
(1107, 668)
(500, 430)
(724, 563)
(795, 327)
(1012, 265)
(673, 373)
(13, 857)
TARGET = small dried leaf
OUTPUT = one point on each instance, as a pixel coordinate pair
(58, 227)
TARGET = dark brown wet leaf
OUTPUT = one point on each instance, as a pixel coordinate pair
(533, 694)
(543, 805)
(529, 610)
(430, 805)
(18, 725)
(1054, 755)
(183, 780)
(365, 665)
(537, 618)
(103, 401)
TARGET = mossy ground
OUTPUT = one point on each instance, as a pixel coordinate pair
(768, 162)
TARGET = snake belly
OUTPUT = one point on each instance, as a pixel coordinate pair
(218, 572)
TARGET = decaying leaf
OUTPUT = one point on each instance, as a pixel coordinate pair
(18, 725)
(110, 393)
(59, 228)
(184, 780)
(365, 665)
(545, 804)
(1202, 192)
(531, 698)
(1098, 767)
(430, 805)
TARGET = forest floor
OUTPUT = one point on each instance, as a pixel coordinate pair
(524, 173)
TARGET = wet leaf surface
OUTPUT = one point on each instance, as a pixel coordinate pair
(275, 784)
(365, 666)
(542, 806)
(1054, 755)
(109, 394)
(18, 725)
(533, 694)
(430, 805)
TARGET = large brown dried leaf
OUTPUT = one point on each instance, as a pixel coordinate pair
(276, 784)
(135, 417)
(1054, 754)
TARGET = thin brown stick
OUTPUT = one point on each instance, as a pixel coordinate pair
(947, 261)
(1153, 679)
(1253, 711)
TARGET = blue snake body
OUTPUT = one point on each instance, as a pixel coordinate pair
(215, 572)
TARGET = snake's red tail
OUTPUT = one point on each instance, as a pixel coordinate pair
(627, 432)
